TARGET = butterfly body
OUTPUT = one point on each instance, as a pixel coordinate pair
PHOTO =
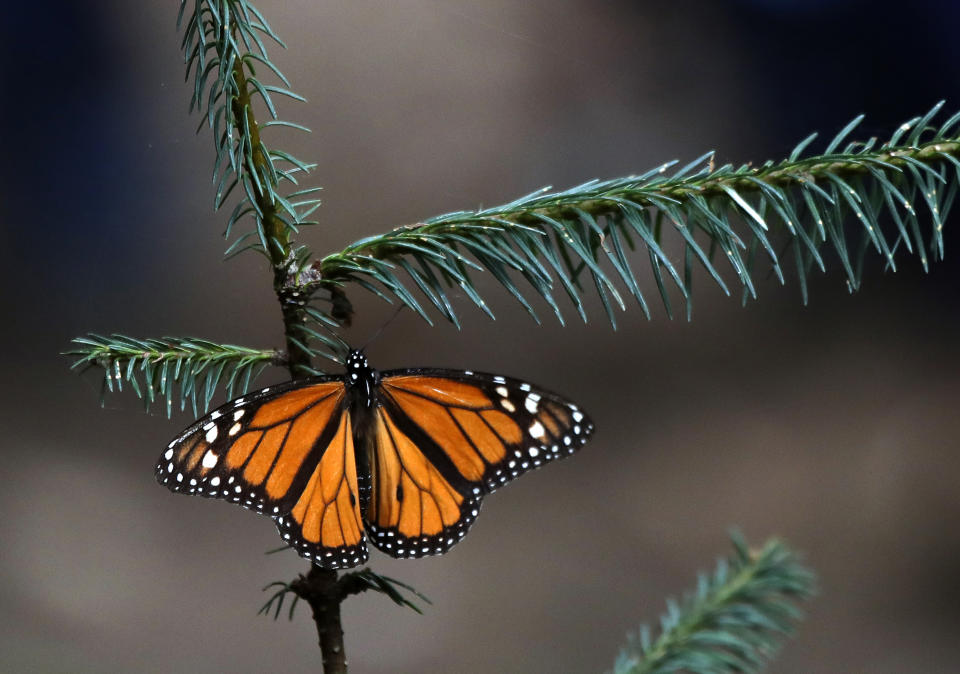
(402, 458)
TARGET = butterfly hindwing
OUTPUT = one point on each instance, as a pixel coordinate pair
(325, 525)
(444, 438)
(414, 509)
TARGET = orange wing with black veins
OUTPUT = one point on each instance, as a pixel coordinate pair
(286, 452)
(443, 439)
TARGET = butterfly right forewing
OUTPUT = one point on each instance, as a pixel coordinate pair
(490, 427)
(444, 439)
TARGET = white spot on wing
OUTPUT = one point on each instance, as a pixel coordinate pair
(234, 430)
(508, 406)
(212, 434)
(502, 390)
(531, 403)
(536, 429)
(237, 415)
(168, 454)
(215, 481)
(209, 459)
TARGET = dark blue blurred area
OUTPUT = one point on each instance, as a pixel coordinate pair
(70, 127)
(815, 61)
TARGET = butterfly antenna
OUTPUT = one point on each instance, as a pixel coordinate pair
(382, 328)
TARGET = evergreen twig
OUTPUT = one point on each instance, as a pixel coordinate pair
(157, 368)
(733, 213)
(223, 45)
(353, 582)
(734, 620)
(230, 31)
(590, 230)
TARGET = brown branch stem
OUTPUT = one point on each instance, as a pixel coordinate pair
(319, 587)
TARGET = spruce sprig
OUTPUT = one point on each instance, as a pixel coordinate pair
(350, 583)
(157, 368)
(193, 369)
(865, 196)
(223, 45)
(733, 622)
(886, 198)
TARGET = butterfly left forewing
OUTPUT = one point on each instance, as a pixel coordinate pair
(285, 451)
(258, 450)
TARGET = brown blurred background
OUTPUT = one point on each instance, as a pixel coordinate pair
(833, 425)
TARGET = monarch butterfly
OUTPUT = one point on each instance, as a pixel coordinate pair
(402, 457)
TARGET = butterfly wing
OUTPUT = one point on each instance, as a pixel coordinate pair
(324, 525)
(287, 452)
(441, 439)
(418, 506)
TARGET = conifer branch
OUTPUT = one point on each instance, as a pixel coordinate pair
(352, 582)
(223, 45)
(863, 197)
(732, 623)
(157, 368)
(231, 30)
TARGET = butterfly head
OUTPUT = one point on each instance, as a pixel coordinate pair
(361, 375)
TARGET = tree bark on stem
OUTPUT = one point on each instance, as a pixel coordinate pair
(319, 587)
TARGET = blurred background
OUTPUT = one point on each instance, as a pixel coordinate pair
(833, 425)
